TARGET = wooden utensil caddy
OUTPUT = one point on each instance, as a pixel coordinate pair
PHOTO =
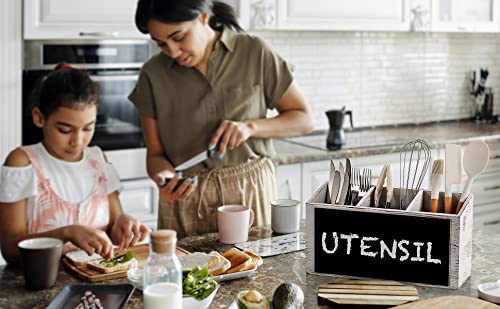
(413, 245)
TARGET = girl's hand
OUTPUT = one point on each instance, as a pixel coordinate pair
(91, 240)
(127, 231)
(230, 135)
(170, 193)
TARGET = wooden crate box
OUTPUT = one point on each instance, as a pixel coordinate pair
(412, 245)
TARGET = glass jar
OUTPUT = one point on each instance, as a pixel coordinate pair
(162, 272)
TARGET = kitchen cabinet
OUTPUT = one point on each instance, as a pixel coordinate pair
(383, 15)
(242, 10)
(139, 198)
(90, 19)
(465, 15)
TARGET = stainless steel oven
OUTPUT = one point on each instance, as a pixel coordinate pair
(114, 65)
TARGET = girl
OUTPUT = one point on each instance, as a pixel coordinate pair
(60, 187)
(212, 85)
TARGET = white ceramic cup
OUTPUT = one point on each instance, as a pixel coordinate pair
(285, 216)
(233, 222)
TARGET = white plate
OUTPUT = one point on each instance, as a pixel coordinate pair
(490, 291)
(134, 276)
(237, 275)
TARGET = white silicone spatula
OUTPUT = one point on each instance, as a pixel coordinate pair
(452, 172)
(476, 157)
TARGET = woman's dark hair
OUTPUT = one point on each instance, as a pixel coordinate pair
(65, 86)
(173, 11)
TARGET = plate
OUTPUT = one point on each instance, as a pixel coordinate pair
(134, 276)
(490, 291)
(111, 295)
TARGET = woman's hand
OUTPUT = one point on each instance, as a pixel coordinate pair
(169, 191)
(90, 239)
(230, 135)
(127, 231)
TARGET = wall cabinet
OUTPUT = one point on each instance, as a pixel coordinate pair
(385, 15)
(139, 198)
(465, 15)
(61, 19)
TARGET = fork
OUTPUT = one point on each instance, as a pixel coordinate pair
(355, 184)
(365, 182)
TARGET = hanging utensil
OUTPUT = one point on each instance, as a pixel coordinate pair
(414, 162)
(476, 157)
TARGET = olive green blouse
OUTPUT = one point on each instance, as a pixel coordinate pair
(245, 77)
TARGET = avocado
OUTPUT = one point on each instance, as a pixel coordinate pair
(252, 300)
(288, 296)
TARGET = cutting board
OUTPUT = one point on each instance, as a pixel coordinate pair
(367, 292)
(141, 253)
(455, 302)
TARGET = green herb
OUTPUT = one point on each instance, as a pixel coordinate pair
(197, 283)
(118, 259)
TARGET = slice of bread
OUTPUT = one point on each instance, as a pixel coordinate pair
(222, 265)
(198, 259)
(81, 258)
(236, 257)
(258, 260)
(96, 265)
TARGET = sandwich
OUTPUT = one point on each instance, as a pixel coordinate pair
(119, 262)
(81, 258)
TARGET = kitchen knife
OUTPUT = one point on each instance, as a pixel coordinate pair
(202, 156)
(341, 181)
(335, 187)
(452, 172)
(330, 182)
(346, 183)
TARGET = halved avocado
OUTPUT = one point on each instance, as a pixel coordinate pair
(252, 300)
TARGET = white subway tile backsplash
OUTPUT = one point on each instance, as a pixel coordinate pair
(388, 77)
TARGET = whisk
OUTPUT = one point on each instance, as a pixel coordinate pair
(414, 161)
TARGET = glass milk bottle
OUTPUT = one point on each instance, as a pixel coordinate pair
(163, 273)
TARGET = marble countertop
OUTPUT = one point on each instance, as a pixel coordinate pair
(275, 270)
(366, 142)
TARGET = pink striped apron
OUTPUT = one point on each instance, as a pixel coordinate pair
(50, 211)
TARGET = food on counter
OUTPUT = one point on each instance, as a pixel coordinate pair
(240, 261)
(197, 283)
(288, 296)
(256, 260)
(119, 262)
(81, 258)
(252, 300)
(222, 265)
(89, 301)
(201, 259)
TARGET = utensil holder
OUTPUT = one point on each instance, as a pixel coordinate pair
(408, 245)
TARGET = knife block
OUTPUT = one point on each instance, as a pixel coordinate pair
(408, 245)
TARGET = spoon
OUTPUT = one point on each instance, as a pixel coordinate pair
(476, 158)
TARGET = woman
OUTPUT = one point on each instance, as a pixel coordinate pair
(211, 87)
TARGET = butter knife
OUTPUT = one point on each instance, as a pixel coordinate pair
(330, 182)
(346, 183)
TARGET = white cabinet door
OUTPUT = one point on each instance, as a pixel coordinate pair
(385, 15)
(465, 15)
(314, 174)
(288, 181)
(139, 199)
(63, 19)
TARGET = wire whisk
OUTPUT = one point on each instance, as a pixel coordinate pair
(414, 161)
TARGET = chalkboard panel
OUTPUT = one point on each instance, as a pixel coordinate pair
(382, 245)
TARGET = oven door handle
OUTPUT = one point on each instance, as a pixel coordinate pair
(100, 78)
(100, 34)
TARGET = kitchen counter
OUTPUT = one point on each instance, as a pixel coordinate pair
(367, 142)
(275, 270)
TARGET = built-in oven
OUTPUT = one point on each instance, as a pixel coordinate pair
(114, 65)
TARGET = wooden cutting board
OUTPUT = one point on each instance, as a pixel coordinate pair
(367, 292)
(455, 302)
(141, 253)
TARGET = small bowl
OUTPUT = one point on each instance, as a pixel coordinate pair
(490, 291)
(134, 276)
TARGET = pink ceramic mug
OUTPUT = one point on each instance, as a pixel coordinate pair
(233, 222)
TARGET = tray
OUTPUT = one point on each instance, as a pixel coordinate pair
(141, 254)
(111, 296)
(275, 245)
